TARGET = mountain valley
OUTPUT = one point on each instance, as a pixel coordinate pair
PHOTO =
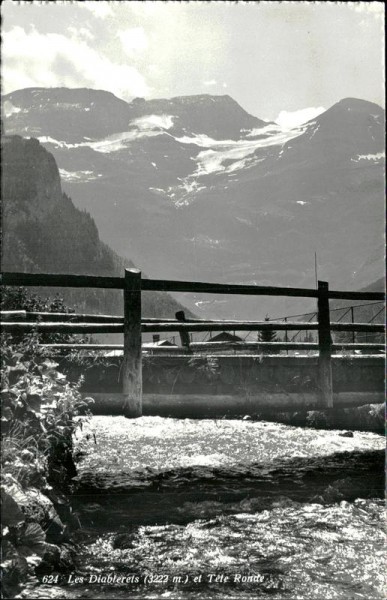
(195, 188)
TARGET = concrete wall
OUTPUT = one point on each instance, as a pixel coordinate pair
(229, 384)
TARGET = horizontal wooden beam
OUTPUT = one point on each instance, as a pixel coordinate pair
(336, 295)
(377, 347)
(275, 346)
(56, 327)
(7, 315)
(251, 290)
(199, 325)
(186, 320)
(278, 346)
(164, 285)
(110, 347)
(61, 280)
(181, 350)
(72, 346)
(228, 326)
(59, 317)
(61, 327)
(372, 327)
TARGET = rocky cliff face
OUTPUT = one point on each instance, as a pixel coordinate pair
(196, 188)
(31, 185)
(43, 232)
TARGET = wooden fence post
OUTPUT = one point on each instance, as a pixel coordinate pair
(132, 361)
(325, 347)
(352, 321)
(184, 335)
(286, 334)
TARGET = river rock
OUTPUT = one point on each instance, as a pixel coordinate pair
(123, 541)
(42, 510)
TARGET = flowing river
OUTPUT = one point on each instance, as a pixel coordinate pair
(211, 509)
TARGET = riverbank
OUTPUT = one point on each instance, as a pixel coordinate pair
(187, 509)
(369, 417)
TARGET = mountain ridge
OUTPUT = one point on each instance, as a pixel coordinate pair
(193, 202)
(205, 107)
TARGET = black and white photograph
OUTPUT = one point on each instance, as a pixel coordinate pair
(192, 300)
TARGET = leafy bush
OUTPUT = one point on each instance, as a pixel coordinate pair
(40, 413)
(18, 298)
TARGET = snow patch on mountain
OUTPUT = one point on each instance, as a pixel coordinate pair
(181, 194)
(374, 157)
(219, 151)
(226, 157)
(238, 154)
(201, 139)
(46, 139)
(9, 109)
(78, 176)
(119, 141)
(153, 122)
(206, 241)
(113, 143)
(158, 191)
(312, 129)
(271, 128)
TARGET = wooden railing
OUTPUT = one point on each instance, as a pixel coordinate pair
(132, 325)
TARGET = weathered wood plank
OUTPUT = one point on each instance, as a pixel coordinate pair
(61, 280)
(11, 327)
(325, 347)
(70, 347)
(228, 326)
(13, 315)
(218, 346)
(358, 346)
(275, 346)
(337, 295)
(165, 285)
(58, 317)
(84, 328)
(372, 327)
(68, 280)
(116, 326)
(132, 362)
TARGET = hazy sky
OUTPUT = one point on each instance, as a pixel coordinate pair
(275, 59)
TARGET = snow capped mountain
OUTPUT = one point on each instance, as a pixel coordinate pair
(196, 188)
(96, 114)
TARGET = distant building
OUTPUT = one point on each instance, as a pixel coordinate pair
(224, 336)
(157, 343)
(114, 353)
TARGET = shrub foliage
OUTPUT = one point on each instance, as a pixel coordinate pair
(40, 412)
